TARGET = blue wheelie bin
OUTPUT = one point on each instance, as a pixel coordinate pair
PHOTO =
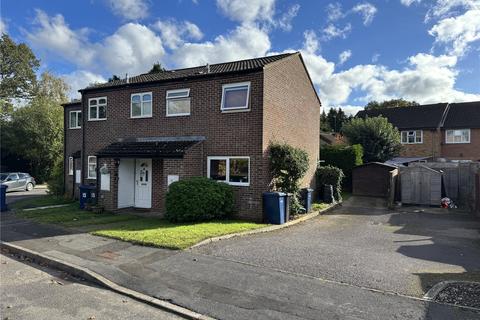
(3, 198)
(87, 195)
(274, 207)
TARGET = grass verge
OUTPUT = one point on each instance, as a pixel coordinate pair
(140, 230)
(40, 201)
(320, 206)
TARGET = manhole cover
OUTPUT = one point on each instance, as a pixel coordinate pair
(460, 293)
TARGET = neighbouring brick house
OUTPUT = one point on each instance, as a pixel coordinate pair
(139, 135)
(442, 130)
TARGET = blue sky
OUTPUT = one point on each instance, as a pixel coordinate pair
(356, 51)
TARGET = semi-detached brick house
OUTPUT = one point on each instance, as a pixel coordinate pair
(138, 135)
(442, 130)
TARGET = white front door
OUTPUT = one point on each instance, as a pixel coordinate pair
(143, 183)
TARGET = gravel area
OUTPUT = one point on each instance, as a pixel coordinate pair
(461, 293)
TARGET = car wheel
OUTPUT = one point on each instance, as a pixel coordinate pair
(29, 186)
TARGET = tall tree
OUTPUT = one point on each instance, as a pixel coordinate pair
(336, 118)
(394, 103)
(324, 125)
(157, 67)
(379, 138)
(18, 65)
(35, 131)
(113, 78)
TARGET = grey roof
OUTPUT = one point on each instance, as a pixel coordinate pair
(463, 115)
(427, 116)
(380, 164)
(402, 160)
(195, 72)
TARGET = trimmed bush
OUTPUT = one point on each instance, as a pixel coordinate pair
(344, 157)
(330, 175)
(288, 165)
(55, 184)
(198, 199)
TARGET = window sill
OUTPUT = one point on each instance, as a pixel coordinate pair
(141, 117)
(235, 110)
(103, 119)
(178, 115)
(457, 142)
(75, 128)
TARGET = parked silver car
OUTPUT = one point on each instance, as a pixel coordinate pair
(17, 181)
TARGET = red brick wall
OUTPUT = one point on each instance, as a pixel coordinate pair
(73, 143)
(462, 151)
(429, 148)
(292, 112)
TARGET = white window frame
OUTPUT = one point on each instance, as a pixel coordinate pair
(233, 85)
(88, 167)
(415, 136)
(167, 99)
(227, 177)
(97, 106)
(453, 142)
(70, 166)
(141, 94)
(76, 112)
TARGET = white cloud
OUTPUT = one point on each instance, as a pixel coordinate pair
(133, 48)
(344, 56)
(246, 41)
(247, 11)
(457, 33)
(3, 26)
(129, 9)
(285, 21)
(334, 11)
(445, 8)
(375, 57)
(332, 32)
(80, 79)
(408, 3)
(367, 10)
(174, 33)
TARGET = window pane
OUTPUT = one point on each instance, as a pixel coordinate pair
(73, 119)
(147, 109)
(177, 94)
(239, 170)
(102, 112)
(102, 101)
(136, 98)
(79, 119)
(178, 106)
(136, 110)
(235, 98)
(93, 112)
(466, 135)
(93, 102)
(218, 170)
(147, 97)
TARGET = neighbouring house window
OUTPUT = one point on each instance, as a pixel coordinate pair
(457, 136)
(412, 137)
(92, 167)
(75, 120)
(232, 170)
(141, 105)
(235, 96)
(70, 166)
(97, 108)
(178, 102)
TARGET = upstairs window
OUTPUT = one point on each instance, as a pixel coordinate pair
(97, 109)
(412, 137)
(75, 121)
(178, 102)
(141, 105)
(92, 167)
(457, 136)
(235, 96)
(232, 170)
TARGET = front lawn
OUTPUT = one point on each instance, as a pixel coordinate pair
(141, 230)
(39, 201)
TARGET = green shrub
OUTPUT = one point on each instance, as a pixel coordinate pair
(330, 175)
(55, 183)
(344, 157)
(198, 199)
(288, 165)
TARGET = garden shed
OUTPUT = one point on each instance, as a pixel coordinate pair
(374, 179)
(421, 185)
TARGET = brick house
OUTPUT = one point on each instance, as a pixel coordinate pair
(139, 135)
(442, 130)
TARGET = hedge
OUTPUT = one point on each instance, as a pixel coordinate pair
(198, 199)
(330, 175)
(343, 157)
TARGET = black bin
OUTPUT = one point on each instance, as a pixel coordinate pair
(3, 198)
(328, 193)
(306, 196)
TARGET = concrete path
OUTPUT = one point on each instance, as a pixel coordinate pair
(31, 292)
(218, 287)
(364, 244)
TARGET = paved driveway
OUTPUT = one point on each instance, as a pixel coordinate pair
(364, 244)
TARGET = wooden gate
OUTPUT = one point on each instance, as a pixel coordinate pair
(421, 185)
